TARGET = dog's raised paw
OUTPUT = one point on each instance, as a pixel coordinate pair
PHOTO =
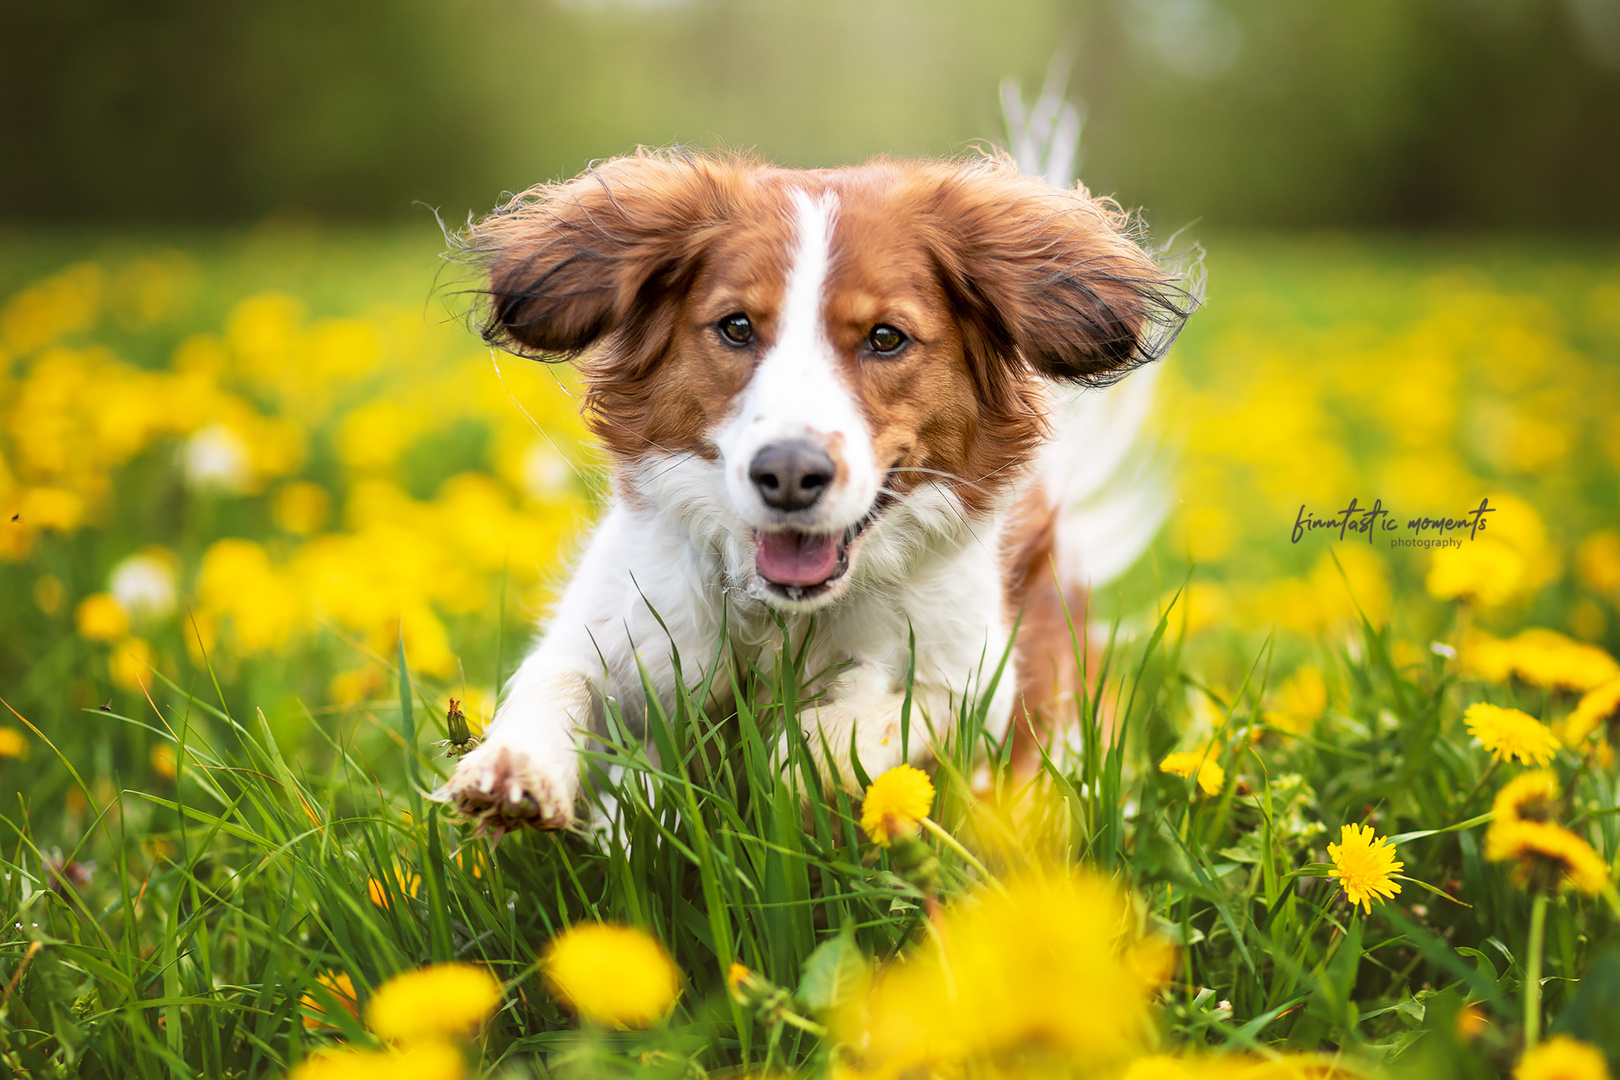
(502, 788)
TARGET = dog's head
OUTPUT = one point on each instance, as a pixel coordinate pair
(789, 360)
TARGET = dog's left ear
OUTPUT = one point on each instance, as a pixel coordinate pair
(1055, 276)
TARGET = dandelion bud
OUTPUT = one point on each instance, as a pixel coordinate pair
(456, 721)
(915, 861)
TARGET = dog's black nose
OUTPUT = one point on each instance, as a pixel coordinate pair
(791, 475)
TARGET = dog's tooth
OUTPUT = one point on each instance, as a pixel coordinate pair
(486, 781)
(514, 792)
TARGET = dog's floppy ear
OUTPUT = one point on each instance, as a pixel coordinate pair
(1055, 276)
(568, 263)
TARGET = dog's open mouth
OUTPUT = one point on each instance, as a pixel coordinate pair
(802, 564)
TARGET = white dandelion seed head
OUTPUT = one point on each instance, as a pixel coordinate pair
(144, 583)
(216, 459)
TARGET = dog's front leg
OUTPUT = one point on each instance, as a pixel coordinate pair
(861, 709)
(526, 771)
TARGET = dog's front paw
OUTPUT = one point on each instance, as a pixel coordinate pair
(503, 788)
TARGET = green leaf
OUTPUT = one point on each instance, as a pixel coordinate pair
(832, 973)
(407, 723)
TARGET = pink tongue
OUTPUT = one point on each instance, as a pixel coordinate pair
(795, 558)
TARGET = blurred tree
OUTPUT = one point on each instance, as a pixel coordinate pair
(1473, 113)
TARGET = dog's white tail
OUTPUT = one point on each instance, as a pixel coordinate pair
(1103, 471)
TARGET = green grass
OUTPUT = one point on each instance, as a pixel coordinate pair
(193, 962)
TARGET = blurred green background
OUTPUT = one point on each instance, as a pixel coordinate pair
(1475, 114)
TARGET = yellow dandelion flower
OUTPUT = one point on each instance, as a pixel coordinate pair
(436, 1002)
(1159, 1067)
(12, 743)
(1599, 707)
(341, 988)
(419, 1061)
(100, 617)
(895, 802)
(1531, 796)
(1546, 658)
(1365, 865)
(998, 979)
(1598, 559)
(1482, 571)
(407, 884)
(131, 663)
(425, 1061)
(1509, 733)
(163, 761)
(1299, 702)
(51, 508)
(1201, 605)
(301, 508)
(1544, 853)
(616, 976)
(1235, 1067)
(1562, 1058)
(736, 975)
(342, 1064)
(1486, 657)
(1471, 1020)
(1211, 777)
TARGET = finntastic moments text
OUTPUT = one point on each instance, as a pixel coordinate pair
(1378, 521)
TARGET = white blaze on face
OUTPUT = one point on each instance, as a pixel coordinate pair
(798, 393)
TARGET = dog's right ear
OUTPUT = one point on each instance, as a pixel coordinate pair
(568, 263)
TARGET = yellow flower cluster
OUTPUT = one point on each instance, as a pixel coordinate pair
(237, 413)
(1454, 404)
(404, 563)
(424, 1014)
(1322, 600)
(1511, 558)
(1539, 657)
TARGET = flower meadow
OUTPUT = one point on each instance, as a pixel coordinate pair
(1342, 799)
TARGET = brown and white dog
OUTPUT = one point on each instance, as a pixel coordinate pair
(825, 394)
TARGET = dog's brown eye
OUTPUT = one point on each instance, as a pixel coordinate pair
(736, 329)
(885, 340)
